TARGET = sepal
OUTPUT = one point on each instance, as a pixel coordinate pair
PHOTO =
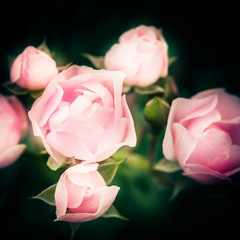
(113, 212)
(109, 167)
(97, 62)
(47, 195)
(44, 48)
(152, 89)
(167, 166)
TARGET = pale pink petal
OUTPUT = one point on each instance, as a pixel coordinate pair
(203, 174)
(130, 136)
(91, 179)
(228, 105)
(208, 93)
(184, 143)
(101, 91)
(156, 62)
(82, 168)
(198, 125)
(234, 160)
(183, 110)
(11, 155)
(68, 145)
(45, 105)
(16, 69)
(108, 197)
(113, 134)
(20, 111)
(75, 193)
(122, 58)
(61, 198)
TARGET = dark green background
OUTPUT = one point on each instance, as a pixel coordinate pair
(202, 34)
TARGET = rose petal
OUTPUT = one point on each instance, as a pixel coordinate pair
(69, 145)
(61, 196)
(184, 110)
(184, 143)
(107, 198)
(11, 155)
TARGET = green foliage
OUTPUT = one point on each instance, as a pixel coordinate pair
(43, 47)
(47, 195)
(181, 184)
(167, 166)
(113, 212)
(97, 62)
(108, 169)
(153, 89)
(156, 113)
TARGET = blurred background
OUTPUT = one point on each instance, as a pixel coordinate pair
(202, 35)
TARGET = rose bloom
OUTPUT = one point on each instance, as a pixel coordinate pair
(82, 195)
(142, 53)
(13, 122)
(203, 134)
(83, 115)
(33, 69)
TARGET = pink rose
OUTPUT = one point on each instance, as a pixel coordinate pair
(33, 69)
(83, 115)
(203, 134)
(82, 195)
(13, 122)
(142, 54)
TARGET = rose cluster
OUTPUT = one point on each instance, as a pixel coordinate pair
(82, 118)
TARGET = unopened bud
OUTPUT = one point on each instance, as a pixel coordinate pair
(156, 113)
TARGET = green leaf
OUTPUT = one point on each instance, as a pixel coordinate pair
(109, 168)
(97, 62)
(153, 89)
(167, 166)
(47, 195)
(113, 212)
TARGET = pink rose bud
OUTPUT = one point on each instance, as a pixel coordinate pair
(203, 134)
(142, 53)
(83, 115)
(33, 69)
(13, 122)
(82, 195)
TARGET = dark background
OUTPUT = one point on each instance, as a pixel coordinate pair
(203, 35)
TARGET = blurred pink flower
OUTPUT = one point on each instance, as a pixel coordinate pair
(203, 134)
(83, 115)
(13, 123)
(82, 195)
(33, 69)
(142, 53)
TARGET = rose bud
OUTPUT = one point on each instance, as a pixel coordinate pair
(82, 195)
(156, 113)
(33, 69)
(142, 53)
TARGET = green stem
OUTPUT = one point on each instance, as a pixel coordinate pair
(152, 150)
(74, 228)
